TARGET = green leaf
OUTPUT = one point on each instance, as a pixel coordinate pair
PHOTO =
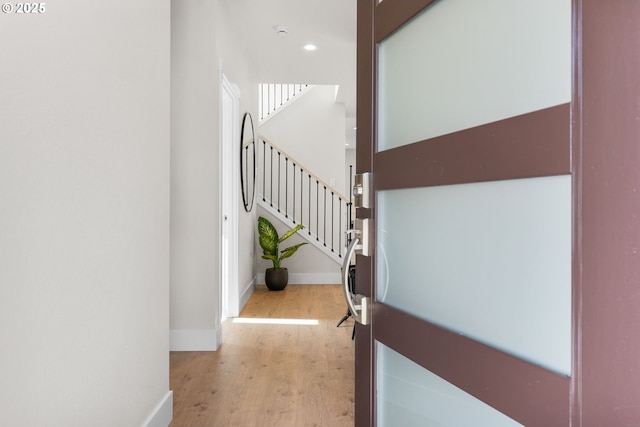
(286, 253)
(268, 236)
(291, 232)
(268, 245)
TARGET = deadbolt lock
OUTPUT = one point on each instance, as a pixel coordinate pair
(362, 190)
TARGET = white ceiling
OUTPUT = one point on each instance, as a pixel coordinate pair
(329, 24)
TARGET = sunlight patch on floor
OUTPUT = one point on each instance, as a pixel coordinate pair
(270, 321)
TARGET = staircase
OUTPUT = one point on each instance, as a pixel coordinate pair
(272, 97)
(294, 195)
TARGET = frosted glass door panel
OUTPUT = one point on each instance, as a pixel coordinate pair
(464, 63)
(409, 395)
(490, 260)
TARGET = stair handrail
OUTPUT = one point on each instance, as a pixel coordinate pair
(292, 159)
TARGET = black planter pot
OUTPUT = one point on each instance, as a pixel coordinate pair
(276, 280)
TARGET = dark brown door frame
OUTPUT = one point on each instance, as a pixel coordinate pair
(606, 153)
(364, 352)
(605, 162)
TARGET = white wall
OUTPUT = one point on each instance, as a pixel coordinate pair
(194, 172)
(84, 214)
(238, 67)
(312, 131)
(202, 41)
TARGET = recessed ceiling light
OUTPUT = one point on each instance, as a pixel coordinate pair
(310, 47)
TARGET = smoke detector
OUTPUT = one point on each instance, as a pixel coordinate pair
(281, 30)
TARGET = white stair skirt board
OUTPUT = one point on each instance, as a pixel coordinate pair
(195, 339)
(309, 278)
(162, 415)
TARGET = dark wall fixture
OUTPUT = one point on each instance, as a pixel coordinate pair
(247, 162)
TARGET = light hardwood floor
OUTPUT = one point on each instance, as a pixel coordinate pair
(263, 375)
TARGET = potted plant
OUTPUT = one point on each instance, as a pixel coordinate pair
(277, 277)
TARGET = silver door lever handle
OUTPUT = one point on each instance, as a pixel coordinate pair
(360, 309)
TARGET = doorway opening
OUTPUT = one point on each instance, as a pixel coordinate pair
(228, 185)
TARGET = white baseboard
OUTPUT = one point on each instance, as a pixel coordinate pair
(162, 415)
(309, 278)
(195, 339)
(246, 293)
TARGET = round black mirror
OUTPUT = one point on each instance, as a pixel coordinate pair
(247, 162)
